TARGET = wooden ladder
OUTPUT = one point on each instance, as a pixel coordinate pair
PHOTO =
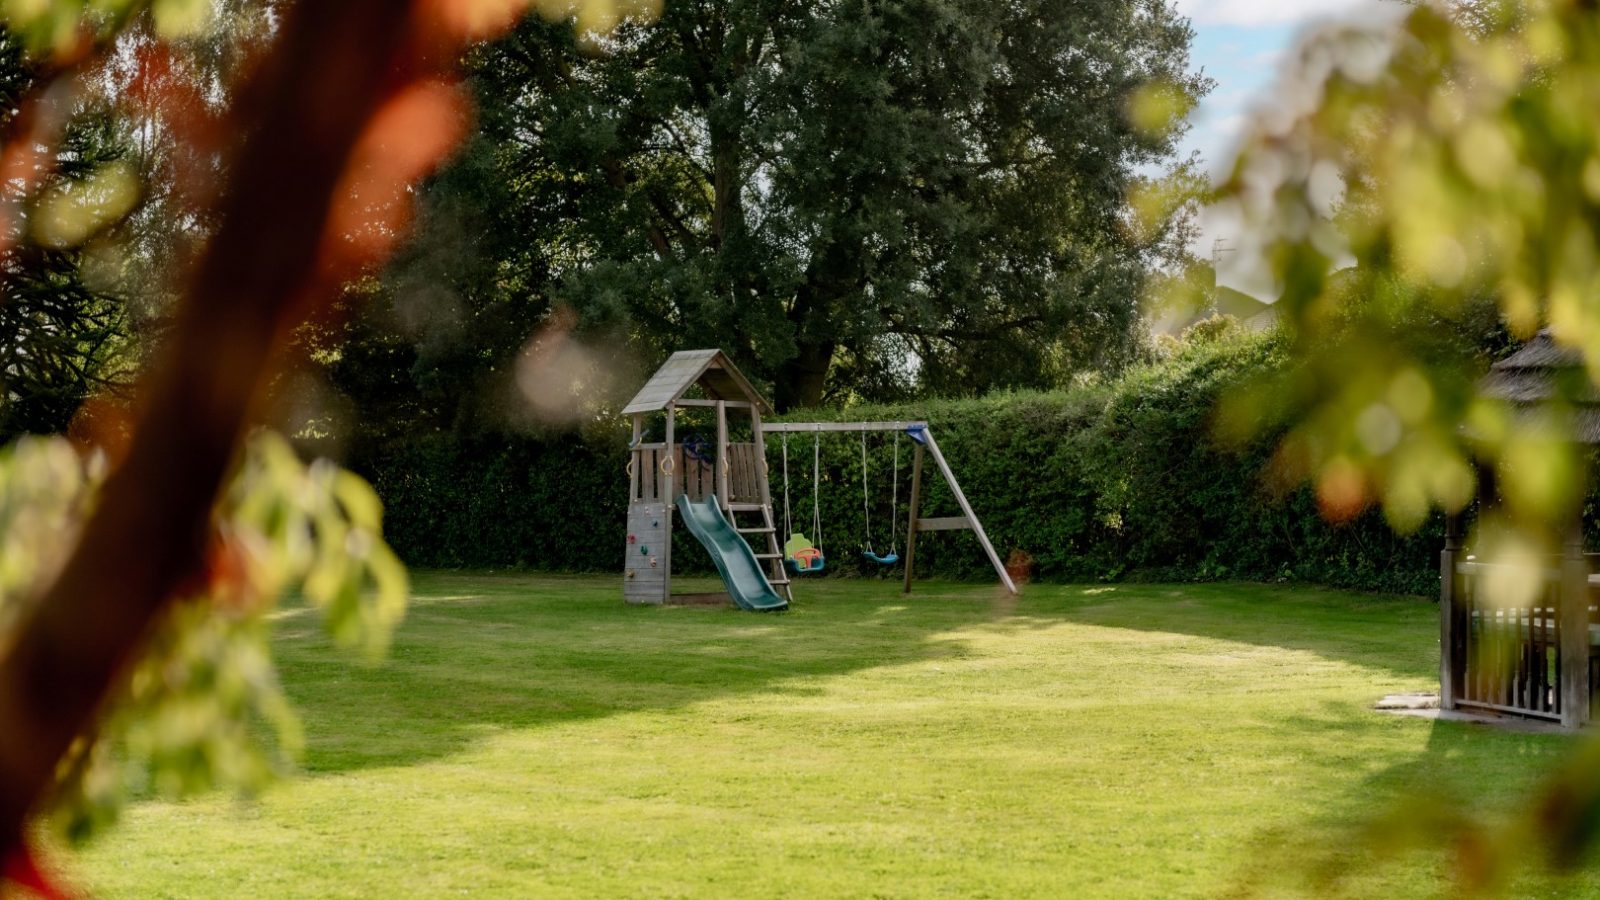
(777, 576)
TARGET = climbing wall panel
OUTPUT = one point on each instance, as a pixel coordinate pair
(644, 577)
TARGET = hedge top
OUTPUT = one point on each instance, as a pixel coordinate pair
(712, 370)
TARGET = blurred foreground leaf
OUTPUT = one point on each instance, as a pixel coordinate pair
(1414, 184)
(204, 709)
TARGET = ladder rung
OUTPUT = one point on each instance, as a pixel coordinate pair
(746, 507)
(780, 581)
(769, 556)
(766, 529)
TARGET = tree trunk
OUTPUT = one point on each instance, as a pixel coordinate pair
(801, 380)
(331, 70)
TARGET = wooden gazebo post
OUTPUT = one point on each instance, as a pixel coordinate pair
(1453, 622)
(1574, 613)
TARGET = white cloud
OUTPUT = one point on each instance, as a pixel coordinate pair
(1268, 59)
(1258, 13)
(1229, 127)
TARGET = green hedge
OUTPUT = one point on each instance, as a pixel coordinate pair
(1102, 482)
(499, 502)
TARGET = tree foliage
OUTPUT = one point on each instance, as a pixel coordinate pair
(59, 333)
(203, 709)
(1470, 168)
(1466, 147)
(854, 196)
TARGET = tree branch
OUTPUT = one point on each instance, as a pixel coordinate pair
(333, 67)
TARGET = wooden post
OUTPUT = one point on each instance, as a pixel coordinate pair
(911, 520)
(759, 439)
(721, 475)
(1574, 615)
(1452, 617)
(634, 458)
(669, 501)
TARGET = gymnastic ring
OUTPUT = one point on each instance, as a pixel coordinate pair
(629, 468)
(668, 464)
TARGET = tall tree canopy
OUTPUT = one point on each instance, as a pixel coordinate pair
(94, 236)
(58, 332)
(850, 195)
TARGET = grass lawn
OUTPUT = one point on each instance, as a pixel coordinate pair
(535, 736)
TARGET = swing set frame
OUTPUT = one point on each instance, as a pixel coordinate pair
(924, 444)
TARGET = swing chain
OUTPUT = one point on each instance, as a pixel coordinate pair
(788, 523)
(894, 509)
(866, 508)
(816, 486)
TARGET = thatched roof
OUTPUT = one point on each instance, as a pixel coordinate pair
(712, 370)
(1586, 430)
(1528, 377)
(1541, 353)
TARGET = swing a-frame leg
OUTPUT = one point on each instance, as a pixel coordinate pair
(967, 521)
(911, 518)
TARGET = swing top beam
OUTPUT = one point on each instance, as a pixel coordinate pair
(808, 427)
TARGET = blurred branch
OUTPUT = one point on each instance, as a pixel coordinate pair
(331, 71)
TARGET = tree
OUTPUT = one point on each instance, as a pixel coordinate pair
(165, 100)
(851, 195)
(80, 311)
(1464, 182)
(350, 106)
(144, 545)
(59, 336)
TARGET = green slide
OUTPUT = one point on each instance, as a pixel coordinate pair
(736, 562)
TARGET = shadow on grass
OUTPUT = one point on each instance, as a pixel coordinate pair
(481, 653)
(1428, 814)
(484, 653)
(1406, 812)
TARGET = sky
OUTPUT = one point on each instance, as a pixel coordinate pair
(1243, 45)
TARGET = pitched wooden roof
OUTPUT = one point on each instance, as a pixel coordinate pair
(712, 370)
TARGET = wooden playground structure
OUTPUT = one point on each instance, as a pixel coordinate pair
(681, 468)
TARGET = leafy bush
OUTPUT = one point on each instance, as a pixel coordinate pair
(1105, 481)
